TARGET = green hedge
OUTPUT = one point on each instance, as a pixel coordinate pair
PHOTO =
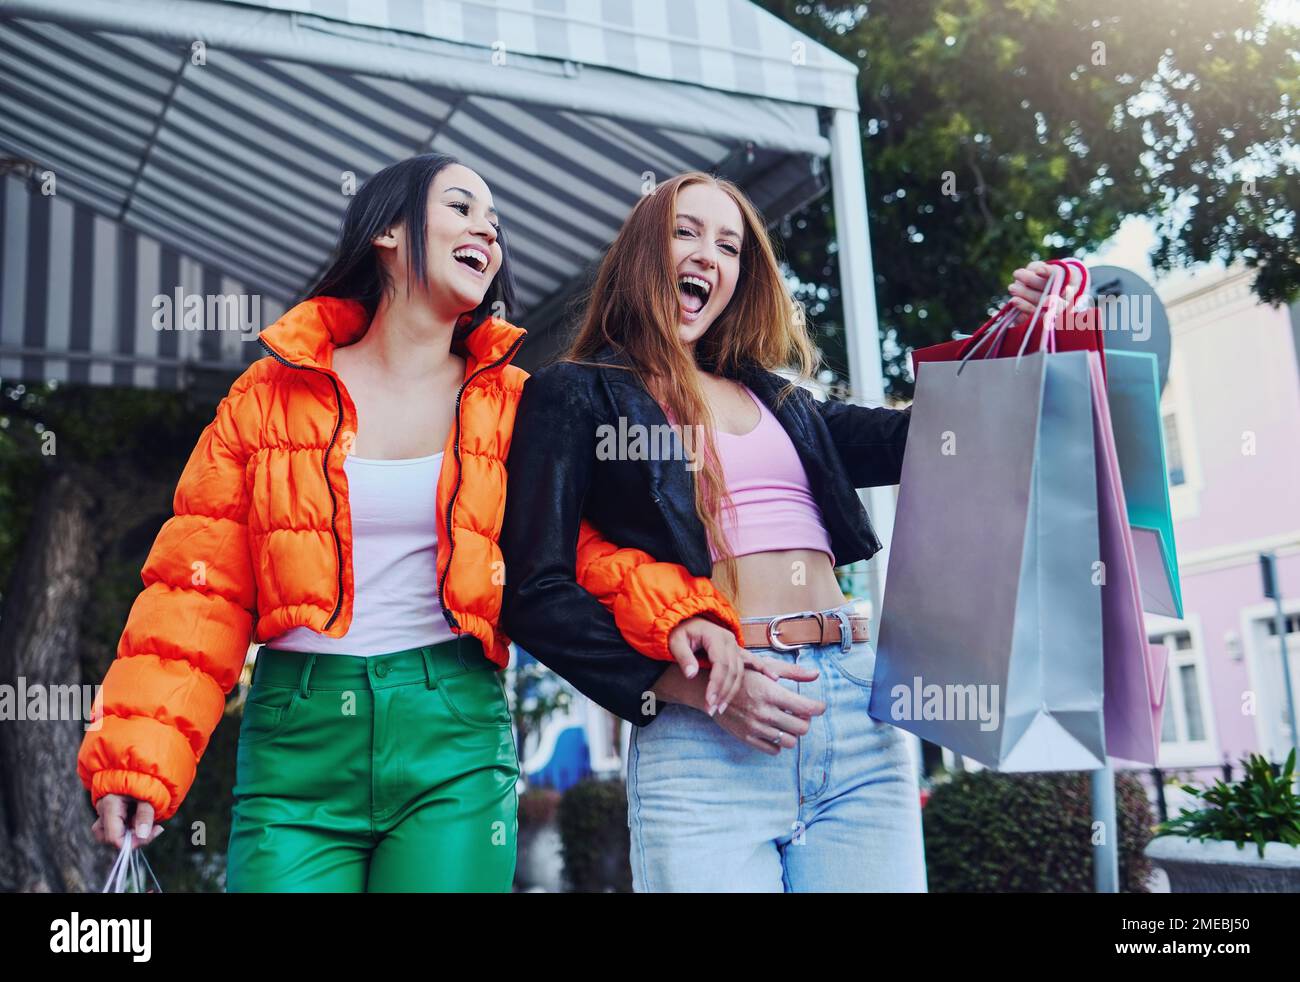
(1029, 833)
(594, 836)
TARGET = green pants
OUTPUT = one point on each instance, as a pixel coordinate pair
(388, 773)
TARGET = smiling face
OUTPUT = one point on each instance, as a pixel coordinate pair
(708, 233)
(461, 250)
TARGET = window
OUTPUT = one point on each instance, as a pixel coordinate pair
(1173, 451)
(1292, 625)
(1178, 430)
(1168, 728)
(1269, 677)
(1191, 702)
(1184, 720)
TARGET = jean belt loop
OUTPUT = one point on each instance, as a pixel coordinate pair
(462, 646)
(307, 666)
(846, 632)
(431, 675)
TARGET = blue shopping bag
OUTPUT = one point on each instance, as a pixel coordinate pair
(1133, 392)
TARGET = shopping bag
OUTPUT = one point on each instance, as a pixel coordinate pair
(128, 870)
(990, 640)
(1135, 671)
(989, 342)
(1133, 391)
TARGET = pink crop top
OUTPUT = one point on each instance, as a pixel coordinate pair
(774, 504)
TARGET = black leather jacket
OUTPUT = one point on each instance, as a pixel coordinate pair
(556, 479)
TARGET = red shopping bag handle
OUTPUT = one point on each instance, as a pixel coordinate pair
(1049, 320)
(1008, 313)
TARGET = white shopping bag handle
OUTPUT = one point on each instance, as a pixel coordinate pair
(126, 867)
(1009, 315)
(1056, 280)
(996, 327)
(1049, 323)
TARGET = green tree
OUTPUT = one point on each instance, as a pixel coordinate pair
(87, 477)
(1051, 121)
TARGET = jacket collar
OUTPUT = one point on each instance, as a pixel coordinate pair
(309, 332)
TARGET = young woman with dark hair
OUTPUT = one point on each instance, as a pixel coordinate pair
(343, 508)
(688, 323)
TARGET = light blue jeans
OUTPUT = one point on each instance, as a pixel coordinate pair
(838, 813)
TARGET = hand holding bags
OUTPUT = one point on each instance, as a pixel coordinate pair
(1133, 392)
(990, 633)
(1014, 575)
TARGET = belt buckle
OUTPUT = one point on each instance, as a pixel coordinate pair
(773, 631)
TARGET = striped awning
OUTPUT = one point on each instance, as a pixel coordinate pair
(86, 299)
(197, 145)
(731, 45)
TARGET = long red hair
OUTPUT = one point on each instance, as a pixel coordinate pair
(634, 305)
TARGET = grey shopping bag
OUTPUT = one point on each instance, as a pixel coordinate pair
(990, 639)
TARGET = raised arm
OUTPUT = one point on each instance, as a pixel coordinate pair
(870, 440)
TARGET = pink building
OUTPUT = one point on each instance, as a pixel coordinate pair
(1232, 428)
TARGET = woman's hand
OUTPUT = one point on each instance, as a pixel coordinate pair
(764, 714)
(111, 824)
(729, 660)
(1030, 281)
(768, 716)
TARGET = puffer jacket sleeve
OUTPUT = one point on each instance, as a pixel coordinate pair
(187, 635)
(647, 598)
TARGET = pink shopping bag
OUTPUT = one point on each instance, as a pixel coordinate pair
(1134, 670)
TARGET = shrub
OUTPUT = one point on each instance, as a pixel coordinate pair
(987, 832)
(594, 836)
(537, 806)
(1260, 808)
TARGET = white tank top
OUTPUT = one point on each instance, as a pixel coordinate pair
(394, 561)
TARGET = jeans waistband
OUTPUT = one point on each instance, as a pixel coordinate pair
(334, 672)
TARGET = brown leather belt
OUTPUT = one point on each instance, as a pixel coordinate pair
(789, 631)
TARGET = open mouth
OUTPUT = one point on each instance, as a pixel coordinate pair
(473, 258)
(694, 293)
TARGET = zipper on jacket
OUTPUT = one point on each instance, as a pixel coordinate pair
(451, 503)
(334, 502)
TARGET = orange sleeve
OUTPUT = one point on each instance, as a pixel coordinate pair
(647, 598)
(186, 638)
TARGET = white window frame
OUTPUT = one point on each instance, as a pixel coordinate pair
(1182, 752)
(1185, 498)
(1254, 636)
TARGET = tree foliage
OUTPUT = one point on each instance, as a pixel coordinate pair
(1051, 121)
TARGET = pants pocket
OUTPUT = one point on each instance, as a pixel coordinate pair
(858, 664)
(265, 712)
(476, 698)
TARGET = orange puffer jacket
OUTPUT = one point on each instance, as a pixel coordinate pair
(261, 541)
